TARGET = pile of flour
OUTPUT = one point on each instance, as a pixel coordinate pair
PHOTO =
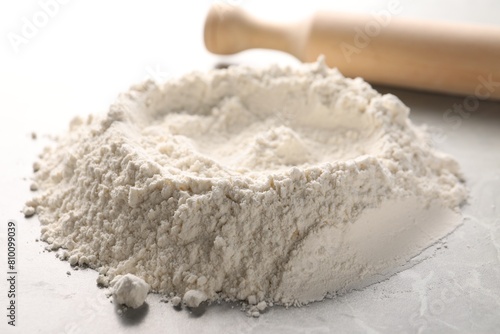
(129, 290)
(275, 185)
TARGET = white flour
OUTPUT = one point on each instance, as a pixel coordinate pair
(273, 185)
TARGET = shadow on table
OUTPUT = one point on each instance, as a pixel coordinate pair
(132, 317)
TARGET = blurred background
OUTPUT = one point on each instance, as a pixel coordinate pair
(88, 51)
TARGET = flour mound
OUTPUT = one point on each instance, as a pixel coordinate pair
(247, 184)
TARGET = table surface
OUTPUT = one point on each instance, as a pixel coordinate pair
(89, 51)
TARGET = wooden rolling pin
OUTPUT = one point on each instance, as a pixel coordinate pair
(432, 56)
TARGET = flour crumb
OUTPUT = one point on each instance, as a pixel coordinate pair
(193, 298)
(129, 290)
(176, 301)
(102, 280)
(262, 306)
(36, 166)
(29, 211)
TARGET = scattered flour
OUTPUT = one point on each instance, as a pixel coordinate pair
(176, 301)
(193, 298)
(29, 211)
(129, 290)
(277, 185)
